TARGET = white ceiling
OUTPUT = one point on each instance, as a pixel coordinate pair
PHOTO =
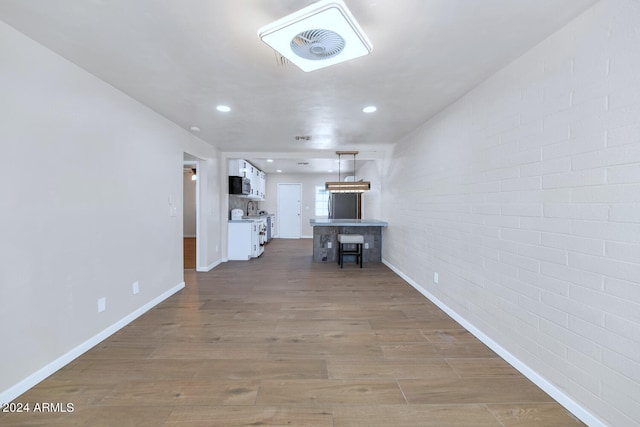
(181, 58)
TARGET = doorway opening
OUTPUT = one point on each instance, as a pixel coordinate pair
(190, 211)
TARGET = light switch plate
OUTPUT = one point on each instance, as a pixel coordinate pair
(436, 278)
(102, 304)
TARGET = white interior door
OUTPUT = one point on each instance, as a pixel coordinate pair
(289, 212)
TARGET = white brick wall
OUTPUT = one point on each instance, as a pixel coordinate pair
(525, 196)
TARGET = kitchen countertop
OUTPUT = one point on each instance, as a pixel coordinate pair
(250, 218)
(324, 222)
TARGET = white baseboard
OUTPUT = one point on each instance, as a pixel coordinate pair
(562, 398)
(210, 266)
(16, 390)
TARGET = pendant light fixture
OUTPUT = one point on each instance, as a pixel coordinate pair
(347, 186)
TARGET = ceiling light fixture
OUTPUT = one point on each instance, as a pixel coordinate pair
(317, 36)
(347, 186)
(193, 174)
(223, 108)
(195, 128)
(369, 109)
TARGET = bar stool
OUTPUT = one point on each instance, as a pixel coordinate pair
(350, 239)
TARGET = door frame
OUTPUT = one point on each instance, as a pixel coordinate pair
(194, 164)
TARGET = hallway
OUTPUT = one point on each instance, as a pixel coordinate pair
(280, 340)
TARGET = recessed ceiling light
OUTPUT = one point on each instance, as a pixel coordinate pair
(279, 171)
(269, 160)
(369, 109)
(319, 35)
(195, 128)
(223, 108)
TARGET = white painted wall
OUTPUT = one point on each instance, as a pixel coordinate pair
(527, 203)
(91, 176)
(372, 171)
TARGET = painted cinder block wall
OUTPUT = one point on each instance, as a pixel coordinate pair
(525, 198)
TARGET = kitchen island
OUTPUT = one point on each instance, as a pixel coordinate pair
(325, 237)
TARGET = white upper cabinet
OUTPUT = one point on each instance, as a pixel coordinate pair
(241, 167)
(238, 167)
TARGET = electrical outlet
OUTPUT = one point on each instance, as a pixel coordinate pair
(329, 245)
(102, 304)
(136, 287)
(366, 246)
(436, 278)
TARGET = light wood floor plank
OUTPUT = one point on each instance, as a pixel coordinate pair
(207, 416)
(414, 416)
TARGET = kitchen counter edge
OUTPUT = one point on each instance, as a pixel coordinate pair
(323, 222)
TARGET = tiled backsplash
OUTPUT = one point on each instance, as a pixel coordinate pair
(236, 202)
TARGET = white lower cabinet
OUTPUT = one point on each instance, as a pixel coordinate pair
(245, 240)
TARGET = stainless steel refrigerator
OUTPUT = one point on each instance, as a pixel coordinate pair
(344, 206)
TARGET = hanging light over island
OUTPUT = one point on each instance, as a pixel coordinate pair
(347, 186)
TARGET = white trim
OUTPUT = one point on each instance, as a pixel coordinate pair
(562, 398)
(306, 237)
(189, 237)
(16, 390)
(210, 266)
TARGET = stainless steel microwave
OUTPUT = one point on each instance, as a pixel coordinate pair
(239, 185)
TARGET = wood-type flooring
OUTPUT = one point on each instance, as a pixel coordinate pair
(283, 341)
(189, 252)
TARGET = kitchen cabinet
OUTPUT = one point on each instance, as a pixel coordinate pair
(262, 185)
(238, 167)
(243, 168)
(246, 239)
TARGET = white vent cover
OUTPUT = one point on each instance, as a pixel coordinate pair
(320, 35)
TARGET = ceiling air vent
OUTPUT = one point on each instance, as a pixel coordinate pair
(303, 137)
(281, 61)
